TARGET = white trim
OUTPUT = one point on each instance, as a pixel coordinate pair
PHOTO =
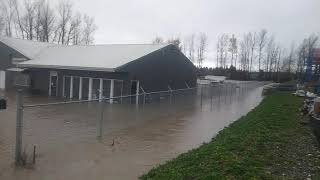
(57, 86)
(49, 85)
(16, 69)
(101, 89)
(90, 89)
(63, 86)
(137, 92)
(16, 61)
(121, 89)
(3, 80)
(80, 88)
(111, 90)
(66, 67)
(71, 87)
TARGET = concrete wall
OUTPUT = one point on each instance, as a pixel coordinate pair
(164, 67)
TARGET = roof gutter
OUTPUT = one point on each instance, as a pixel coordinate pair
(66, 67)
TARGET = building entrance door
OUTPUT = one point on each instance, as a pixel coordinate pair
(135, 90)
(53, 84)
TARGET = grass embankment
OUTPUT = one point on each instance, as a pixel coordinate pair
(268, 143)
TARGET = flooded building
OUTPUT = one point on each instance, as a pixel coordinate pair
(95, 71)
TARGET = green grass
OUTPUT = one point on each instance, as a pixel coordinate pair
(254, 147)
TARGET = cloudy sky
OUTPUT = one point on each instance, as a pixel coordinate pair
(139, 21)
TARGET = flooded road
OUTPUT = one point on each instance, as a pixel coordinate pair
(135, 138)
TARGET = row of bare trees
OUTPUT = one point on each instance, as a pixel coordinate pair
(304, 52)
(251, 52)
(39, 20)
(258, 51)
(254, 51)
(194, 46)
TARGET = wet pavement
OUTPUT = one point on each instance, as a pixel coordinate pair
(135, 138)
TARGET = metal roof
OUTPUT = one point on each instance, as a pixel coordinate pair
(92, 57)
(96, 57)
(27, 48)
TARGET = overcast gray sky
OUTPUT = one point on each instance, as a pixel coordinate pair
(139, 21)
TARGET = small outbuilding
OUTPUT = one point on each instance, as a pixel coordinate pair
(94, 71)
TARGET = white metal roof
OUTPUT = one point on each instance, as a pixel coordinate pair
(26, 47)
(95, 57)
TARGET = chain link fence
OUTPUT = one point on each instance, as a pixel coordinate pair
(54, 124)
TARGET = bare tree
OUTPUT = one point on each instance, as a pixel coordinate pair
(262, 41)
(270, 48)
(252, 40)
(158, 40)
(176, 41)
(65, 14)
(305, 52)
(7, 9)
(2, 21)
(190, 45)
(291, 59)
(217, 53)
(278, 63)
(88, 30)
(18, 18)
(272, 58)
(37, 16)
(76, 27)
(37, 20)
(222, 50)
(202, 48)
(29, 18)
(46, 21)
(245, 47)
(233, 49)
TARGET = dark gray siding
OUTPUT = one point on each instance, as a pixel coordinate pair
(40, 78)
(164, 67)
(155, 72)
(6, 54)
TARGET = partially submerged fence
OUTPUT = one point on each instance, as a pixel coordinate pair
(43, 123)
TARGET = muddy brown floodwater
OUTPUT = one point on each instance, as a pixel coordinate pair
(135, 138)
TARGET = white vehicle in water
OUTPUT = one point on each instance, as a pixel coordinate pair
(211, 79)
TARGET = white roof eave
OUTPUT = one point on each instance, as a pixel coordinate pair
(66, 67)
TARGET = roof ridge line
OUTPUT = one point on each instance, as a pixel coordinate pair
(51, 43)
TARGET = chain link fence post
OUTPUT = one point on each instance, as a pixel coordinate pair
(19, 125)
(201, 94)
(100, 119)
(211, 94)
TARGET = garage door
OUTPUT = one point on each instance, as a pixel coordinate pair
(2, 79)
